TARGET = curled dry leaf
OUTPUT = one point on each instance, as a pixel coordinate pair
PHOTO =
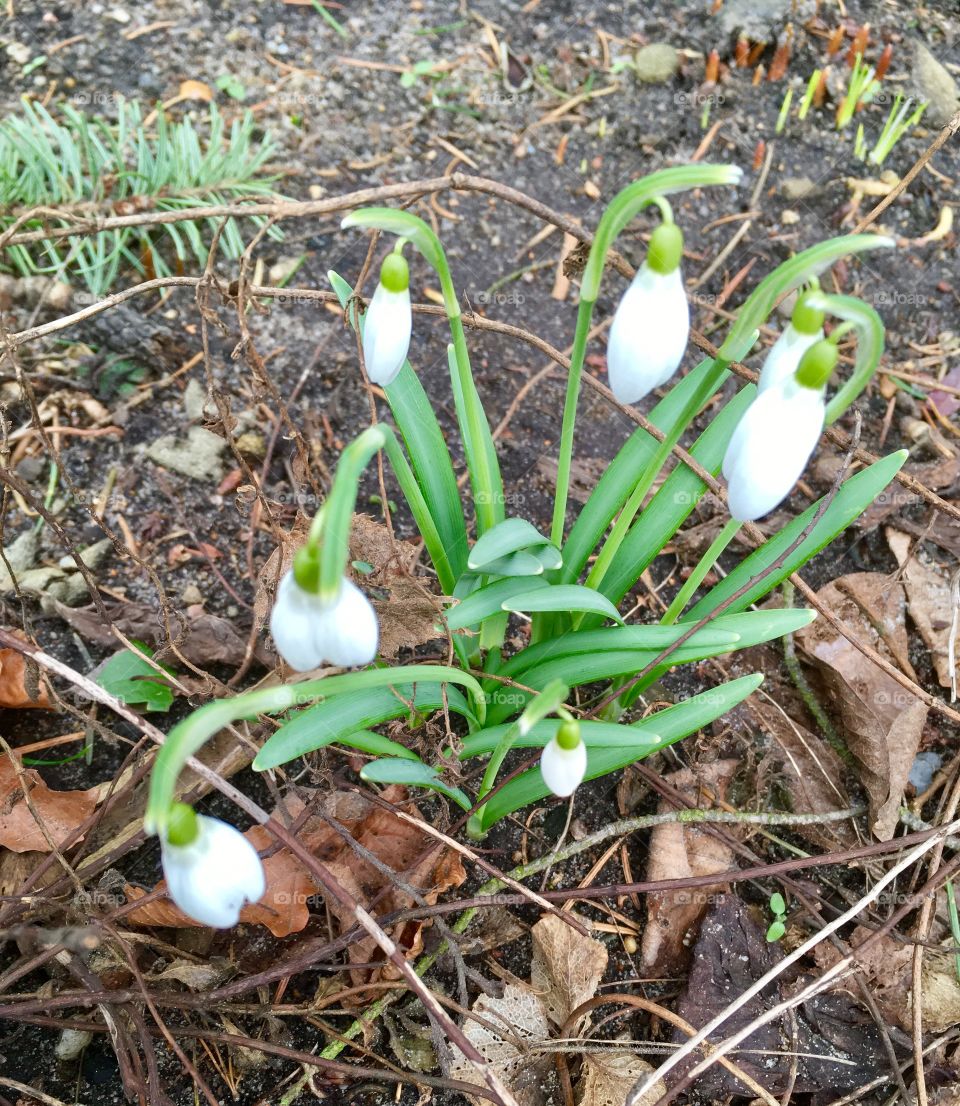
(678, 851)
(20, 682)
(837, 1046)
(887, 966)
(60, 812)
(409, 616)
(608, 1078)
(202, 638)
(285, 906)
(929, 599)
(880, 721)
(567, 967)
(502, 1032)
(810, 770)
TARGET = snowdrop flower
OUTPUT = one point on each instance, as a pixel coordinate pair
(805, 328)
(211, 869)
(776, 436)
(652, 324)
(388, 322)
(309, 630)
(563, 762)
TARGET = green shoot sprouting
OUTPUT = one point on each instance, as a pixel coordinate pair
(778, 908)
(784, 111)
(897, 124)
(861, 90)
(808, 95)
(860, 144)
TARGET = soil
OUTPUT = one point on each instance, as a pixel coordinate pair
(343, 116)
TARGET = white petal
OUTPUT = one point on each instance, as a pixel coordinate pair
(784, 356)
(352, 632)
(294, 622)
(773, 443)
(563, 769)
(211, 878)
(386, 334)
(649, 334)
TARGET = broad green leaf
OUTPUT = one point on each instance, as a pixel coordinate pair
(134, 681)
(620, 477)
(335, 719)
(644, 639)
(668, 725)
(412, 773)
(369, 741)
(563, 597)
(854, 496)
(521, 563)
(488, 600)
(509, 536)
(673, 502)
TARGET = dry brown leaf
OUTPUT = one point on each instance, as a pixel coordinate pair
(676, 852)
(60, 811)
(810, 770)
(20, 682)
(205, 638)
(567, 967)
(509, 1024)
(935, 475)
(928, 599)
(880, 721)
(198, 976)
(284, 908)
(408, 617)
(608, 1078)
(195, 90)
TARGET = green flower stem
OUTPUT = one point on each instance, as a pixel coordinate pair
(633, 505)
(478, 444)
(549, 701)
(618, 213)
(339, 507)
(565, 458)
(190, 735)
(695, 579)
(869, 328)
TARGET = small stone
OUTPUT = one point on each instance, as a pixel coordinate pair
(21, 556)
(317, 191)
(790, 217)
(71, 1044)
(797, 188)
(19, 52)
(656, 63)
(31, 468)
(197, 454)
(93, 556)
(196, 404)
(191, 595)
(118, 15)
(934, 84)
(252, 444)
(37, 581)
(762, 20)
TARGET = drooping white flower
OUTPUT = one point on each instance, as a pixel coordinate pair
(651, 326)
(785, 355)
(771, 446)
(388, 322)
(804, 330)
(563, 762)
(214, 874)
(309, 631)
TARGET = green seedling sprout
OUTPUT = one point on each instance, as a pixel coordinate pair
(808, 95)
(778, 908)
(861, 90)
(899, 121)
(784, 111)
